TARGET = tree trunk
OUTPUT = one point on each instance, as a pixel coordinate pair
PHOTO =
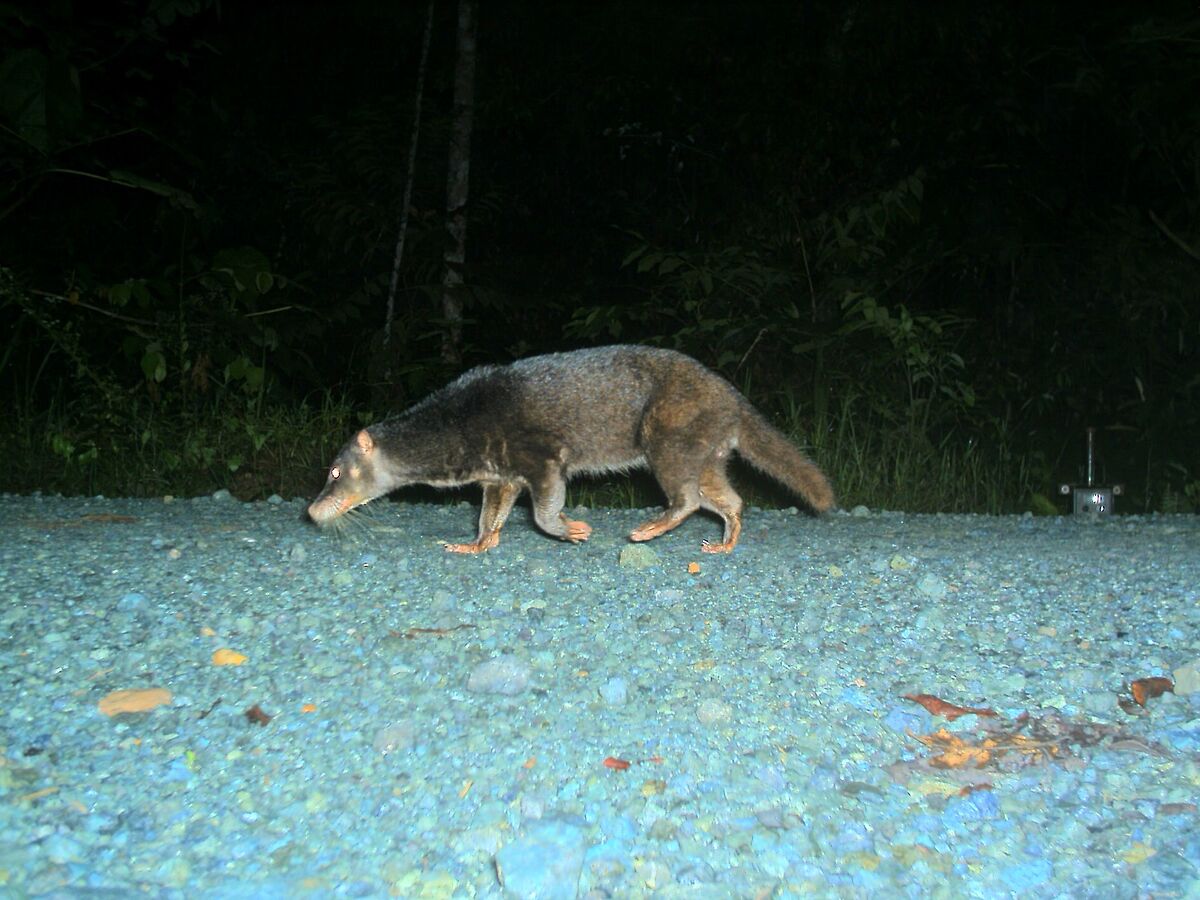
(457, 179)
(408, 189)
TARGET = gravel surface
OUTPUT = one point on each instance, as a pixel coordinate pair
(203, 698)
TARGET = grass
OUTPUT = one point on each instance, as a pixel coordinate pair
(253, 448)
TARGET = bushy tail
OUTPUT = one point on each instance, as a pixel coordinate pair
(765, 448)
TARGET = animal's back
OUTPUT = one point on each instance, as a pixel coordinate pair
(594, 402)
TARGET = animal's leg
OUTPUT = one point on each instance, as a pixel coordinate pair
(681, 486)
(718, 495)
(549, 494)
(498, 500)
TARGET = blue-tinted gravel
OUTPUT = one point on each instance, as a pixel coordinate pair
(759, 702)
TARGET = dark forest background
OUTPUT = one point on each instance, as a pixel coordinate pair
(933, 241)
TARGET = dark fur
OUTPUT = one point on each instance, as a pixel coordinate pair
(535, 423)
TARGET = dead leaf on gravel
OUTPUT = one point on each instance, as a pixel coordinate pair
(939, 707)
(1008, 746)
(132, 701)
(1144, 689)
(255, 715)
(953, 751)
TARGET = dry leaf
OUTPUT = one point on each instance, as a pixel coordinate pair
(613, 763)
(1144, 689)
(255, 715)
(133, 701)
(940, 707)
(954, 752)
(227, 657)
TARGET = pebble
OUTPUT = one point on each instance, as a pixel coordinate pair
(394, 737)
(1187, 678)
(505, 675)
(713, 711)
(932, 586)
(614, 691)
(543, 864)
(637, 556)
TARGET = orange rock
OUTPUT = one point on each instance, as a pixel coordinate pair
(133, 701)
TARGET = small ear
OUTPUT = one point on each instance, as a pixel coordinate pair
(364, 442)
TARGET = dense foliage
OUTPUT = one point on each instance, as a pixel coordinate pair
(935, 240)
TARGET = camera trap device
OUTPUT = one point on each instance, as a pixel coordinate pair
(1091, 498)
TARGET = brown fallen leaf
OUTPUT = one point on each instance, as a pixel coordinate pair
(953, 751)
(940, 707)
(132, 701)
(1144, 689)
(255, 715)
(972, 788)
(613, 762)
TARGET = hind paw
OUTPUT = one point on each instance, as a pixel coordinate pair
(483, 543)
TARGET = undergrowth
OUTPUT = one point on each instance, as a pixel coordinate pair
(81, 447)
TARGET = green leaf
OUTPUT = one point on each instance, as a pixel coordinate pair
(175, 195)
(247, 268)
(154, 363)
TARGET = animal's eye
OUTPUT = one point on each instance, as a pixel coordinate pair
(335, 473)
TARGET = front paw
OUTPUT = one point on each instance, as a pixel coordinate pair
(576, 531)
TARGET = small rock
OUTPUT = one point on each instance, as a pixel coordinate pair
(390, 738)
(132, 601)
(637, 556)
(1187, 678)
(544, 864)
(506, 675)
(932, 586)
(614, 691)
(1101, 703)
(714, 712)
